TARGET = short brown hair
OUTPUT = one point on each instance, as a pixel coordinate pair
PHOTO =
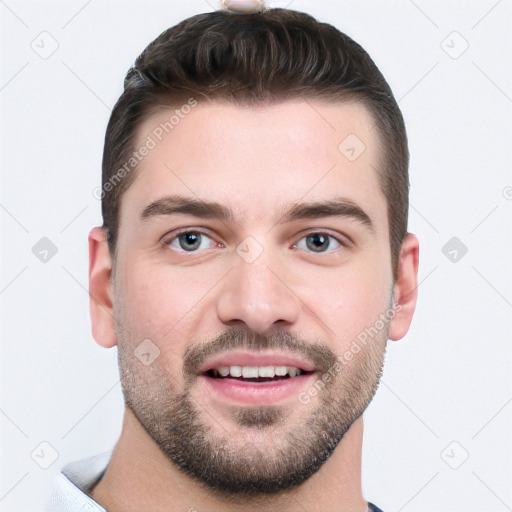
(274, 55)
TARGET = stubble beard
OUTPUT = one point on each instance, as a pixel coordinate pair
(266, 449)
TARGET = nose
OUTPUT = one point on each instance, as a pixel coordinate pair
(256, 294)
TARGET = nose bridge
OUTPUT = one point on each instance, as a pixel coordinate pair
(256, 296)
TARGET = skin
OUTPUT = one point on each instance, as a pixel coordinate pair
(257, 162)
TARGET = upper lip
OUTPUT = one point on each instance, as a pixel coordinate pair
(256, 359)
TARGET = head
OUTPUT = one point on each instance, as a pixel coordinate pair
(272, 56)
(254, 199)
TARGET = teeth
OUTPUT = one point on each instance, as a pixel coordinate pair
(223, 370)
(235, 371)
(266, 371)
(281, 370)
(250, 372)
(253, 372)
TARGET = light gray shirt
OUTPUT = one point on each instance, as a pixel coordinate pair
(73, 484)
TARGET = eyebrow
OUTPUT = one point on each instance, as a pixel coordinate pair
(336, 207)
(171, 205)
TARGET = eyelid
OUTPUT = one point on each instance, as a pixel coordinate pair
(169, 237)
(172, 235)
(341, 239)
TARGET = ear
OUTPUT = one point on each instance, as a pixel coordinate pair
(405, 288)
(100, 289)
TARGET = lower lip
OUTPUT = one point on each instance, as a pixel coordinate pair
(244, 392)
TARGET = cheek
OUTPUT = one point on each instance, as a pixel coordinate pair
(350, 300)
(160, 301)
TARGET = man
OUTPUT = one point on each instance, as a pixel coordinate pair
(253, 262)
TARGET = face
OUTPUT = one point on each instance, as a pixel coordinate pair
(253, 252)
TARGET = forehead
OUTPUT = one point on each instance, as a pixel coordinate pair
(257, 159)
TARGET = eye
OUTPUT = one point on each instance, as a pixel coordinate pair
(318, 242)
(190, 241)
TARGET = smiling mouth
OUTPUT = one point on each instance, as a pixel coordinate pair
(256, 373)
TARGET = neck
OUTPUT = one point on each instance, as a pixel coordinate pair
(140, 477)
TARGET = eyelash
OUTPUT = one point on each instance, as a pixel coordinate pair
(323, 233)
(167, 242)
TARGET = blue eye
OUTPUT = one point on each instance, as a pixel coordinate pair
(318, 242)
(190, 241)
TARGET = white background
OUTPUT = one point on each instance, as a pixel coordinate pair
(448, 380)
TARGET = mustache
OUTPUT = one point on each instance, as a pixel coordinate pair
(318, 353)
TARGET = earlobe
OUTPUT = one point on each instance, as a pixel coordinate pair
(100, 291)
(406, 288)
